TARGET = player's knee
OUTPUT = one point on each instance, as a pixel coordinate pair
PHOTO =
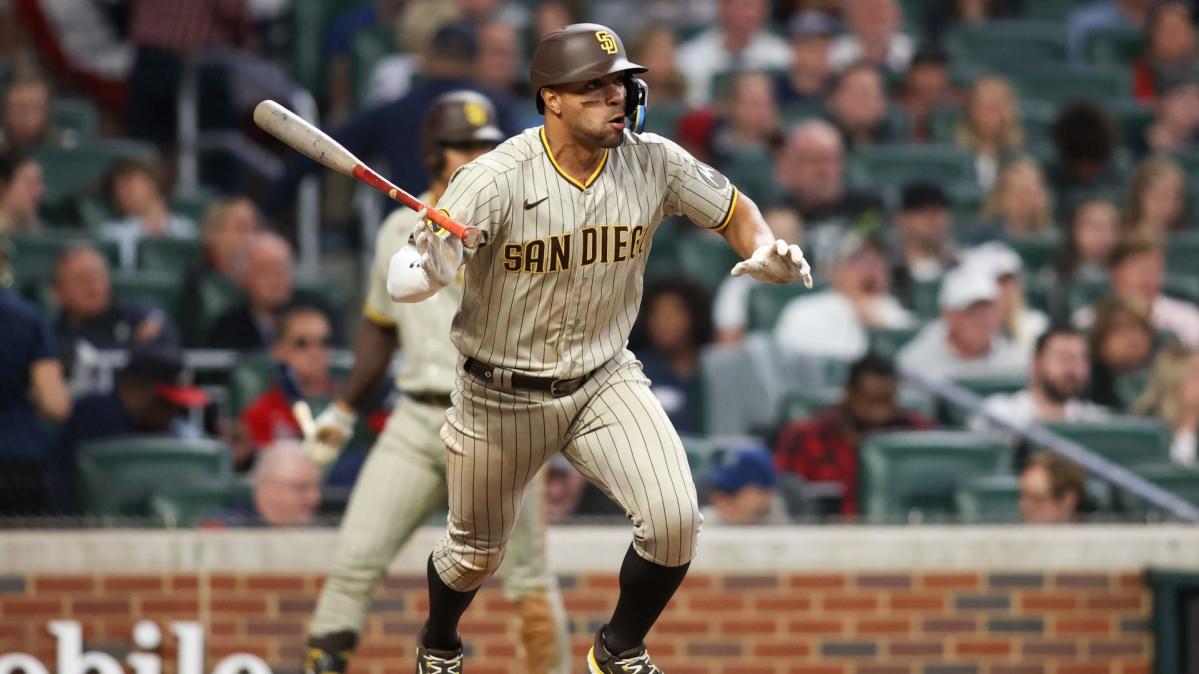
(467, 572)
(672, 541)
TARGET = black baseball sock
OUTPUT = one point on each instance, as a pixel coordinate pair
(645, 590)
(446, 606)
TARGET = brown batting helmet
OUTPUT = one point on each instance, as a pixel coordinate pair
(577, 53)
(457, 118)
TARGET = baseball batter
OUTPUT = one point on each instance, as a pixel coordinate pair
(569, 210)
(403, 481)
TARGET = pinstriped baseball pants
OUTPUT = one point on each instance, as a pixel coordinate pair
(400, 486)
(614, 432)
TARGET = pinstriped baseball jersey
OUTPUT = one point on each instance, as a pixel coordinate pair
(427, 365)
(556, 288)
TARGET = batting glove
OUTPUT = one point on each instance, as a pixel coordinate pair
(440, 251)
(778, 263)
(333, 429)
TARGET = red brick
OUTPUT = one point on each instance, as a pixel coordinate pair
(883, 669)
(751, 627)
(674, 626)
(983, 647)
(31, 606)
(1016, 669)
(224, 581)
(222, 628)
(275, 583)
(187, 582)
(1082, 626)
(145, 583)
(384, 650)
(818, 581)
(1116, 602)
(699, 582)
(956, 581)
(1135, 668)
(73, 584)
(256, 605)
(815, 669)
(1130, 580)
(782, 649)
(906, 649)
(783, 604)
(884, 626)
(586, 604)
(1083, 668)
(916, 601)
(170, 605)
(116, 607)
(717, 602)
(484, 627)
(850, 602)
(1080, 580)
(1048, 601)
(607, 581)
(1116, 649)
(816, 627)
(502, 650)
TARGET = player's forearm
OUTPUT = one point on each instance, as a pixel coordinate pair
(407, 280)
(747, 230)
(373, 348)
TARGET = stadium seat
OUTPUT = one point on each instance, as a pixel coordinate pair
(924, 299)
(666, 118)
(1052, 10)
(194, 205)
(1114, 46)
(1182, 253)
(1180, 480)
(216, 294)
(983, 387)
(1127, 441)
(910, 472)
(1036, 252)
(1130, 115)
(160, 289)
(802, 404)
(752, 171)
(888, 342)
(253, 376)
(190, 504)
(309, 23)
(118, 476)
(767, 301)
(169, 254)
(706, 259)
(327, 290)
(999, 42)
(1059, 84)
(990, 498)
(77, 116)
(368, 47)
(33, 255)
(1183, 286)
(894, 165)
(71, 171)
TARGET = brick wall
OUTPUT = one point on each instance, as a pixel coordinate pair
(794, 623)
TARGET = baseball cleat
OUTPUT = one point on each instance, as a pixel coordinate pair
(432, 661)
(633, 661)
(320, 661)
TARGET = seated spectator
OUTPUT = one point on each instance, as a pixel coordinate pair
(498, 64)
(1138, 271)
(1170, 53)
(87, 311)
(1172, 396)
(749, 120)
(568, 494)
(302, 344)
(1094, 231)
(655, 49)
(1019, 206)
(857, 106)
(21, 192)
(825, 448)
(835, 323)
(730, 308)
(287, 491)
(874, 36)
(966, 341)
(927, 87)
(990, 128)
(807, 80)
(1156, 204)
(265, 271)
(1122, 345)
(25, 122)
(31, 385)
(810, 174)
(1052, 489)
(1021, 324)
(675, 322)
(1059, 376)
(1175, 125)
(740, 41)
(150, 396)
(1085, 138)
(743, 490)
(945, 14)
(925, 249)
(1100, 15)
(136, 195)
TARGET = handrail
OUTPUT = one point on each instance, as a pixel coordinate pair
(1094, 464)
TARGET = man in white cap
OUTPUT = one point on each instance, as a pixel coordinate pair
(966, 341)
(1018, 322)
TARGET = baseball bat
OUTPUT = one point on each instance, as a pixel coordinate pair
(300, 409)
(318, 146)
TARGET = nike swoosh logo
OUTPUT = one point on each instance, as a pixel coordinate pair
(531, 205)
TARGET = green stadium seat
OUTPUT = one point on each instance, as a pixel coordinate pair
(1130, 115)
(32, 256)
(118, 476)
(665, 118)
(93, 210)
(706, 259)
(944, 124)
(310, 19)
(329, 291)
(1114, 46)
(1127, 441)
(77, 116)
(802, 404)
(894, 165)
(169, 254)
(993, 385)
(1180, 480)
(1036, 252)
(190, 504)
(917, 471)
(1000, 42)
(194, 205)
(1060, 84)
(752, 171)
(767, 301)
(161, 289)
(1183, 286)
(924, 299)
(888, 342)
(367, 49)
(215, 294)
(991, 499)
(1182, 253)
(700, 452)
(1084, 293)
(253, 376)
(1052, 10)
(72, 171)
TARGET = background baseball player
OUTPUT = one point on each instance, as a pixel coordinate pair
(404, 481)
(569, 210)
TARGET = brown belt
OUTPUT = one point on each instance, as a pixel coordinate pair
(430, 398)
(556, 387)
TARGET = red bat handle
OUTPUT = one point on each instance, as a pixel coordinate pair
(471, 236)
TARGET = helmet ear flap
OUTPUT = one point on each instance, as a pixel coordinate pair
(636, 102)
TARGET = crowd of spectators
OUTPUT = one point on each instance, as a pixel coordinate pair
(943, 193)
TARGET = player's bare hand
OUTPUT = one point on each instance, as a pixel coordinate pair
(440, 252)
(331, 432)
(778, 263)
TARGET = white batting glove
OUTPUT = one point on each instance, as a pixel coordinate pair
(333, 429)
(440, 251)
(778, 263)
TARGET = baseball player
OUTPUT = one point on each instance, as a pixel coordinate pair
(404, 479)
(568, 210)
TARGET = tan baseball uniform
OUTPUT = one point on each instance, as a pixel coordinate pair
(403, 481)
(553, 293)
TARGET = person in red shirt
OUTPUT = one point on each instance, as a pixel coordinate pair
(825, 448)
(302, 343)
